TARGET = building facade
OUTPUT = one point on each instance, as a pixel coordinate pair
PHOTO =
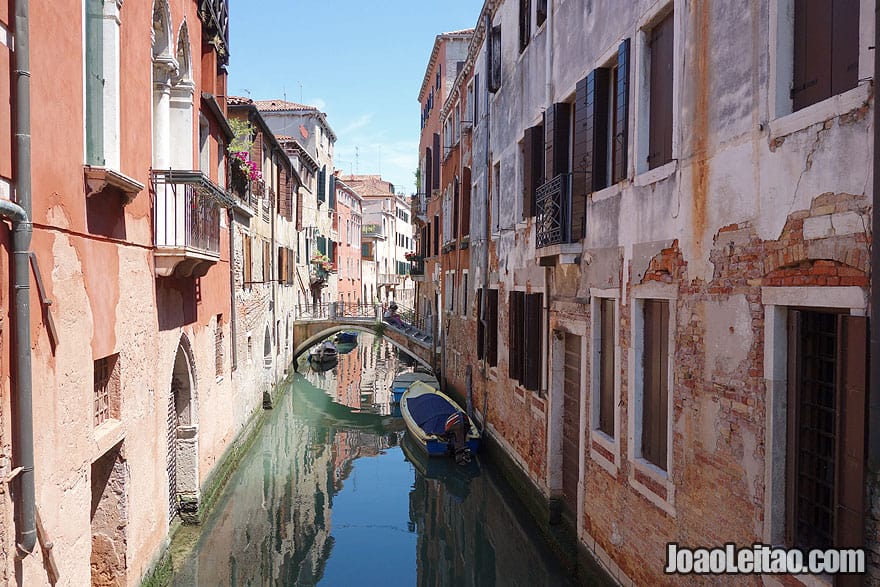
(129, 351)
(349, 213)
(448, 56)
(310, 130)
(660, 236)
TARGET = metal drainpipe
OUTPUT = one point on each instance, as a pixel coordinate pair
(230, 217)
(874, 369)
(487, 232)
(21, 241)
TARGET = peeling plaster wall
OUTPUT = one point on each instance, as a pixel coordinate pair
(753, 198)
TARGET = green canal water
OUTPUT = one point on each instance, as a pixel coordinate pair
(331, 493)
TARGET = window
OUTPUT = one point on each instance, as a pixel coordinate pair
(435, 170)
(533, 167)
(826, 50)
(102, 83)
(322, 179)
(450, 291)
(246, 262)
(540, 12)
(464, 293)
(466, 202)
(660, 83)
(218, 346)
(604, 350)
(655, 384)
(496, 197)
(601, 125)
(107, 389)
(494, 57)
(525, 24)
(267, 261)
(204, 145)
(524, 338)
(487, 326)
(825, 464)
(455, 208)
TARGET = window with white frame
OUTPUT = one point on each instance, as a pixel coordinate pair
(655, 122)
(604, 360)
(653, 381)
(102, 73)
(450, 291)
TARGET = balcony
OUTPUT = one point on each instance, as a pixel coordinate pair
(553, 241)
(388, 279)
(187, 222)
(417, 268)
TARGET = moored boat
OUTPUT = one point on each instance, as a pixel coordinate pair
(437, 424)
(324, 353)
(402, 382)
(346, 337)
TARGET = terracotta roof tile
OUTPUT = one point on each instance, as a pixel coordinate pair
(238, 100)
(281, 105)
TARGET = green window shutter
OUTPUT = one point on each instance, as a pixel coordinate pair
(322, 245)
(322, 177)
(95, 83)
(332, 190)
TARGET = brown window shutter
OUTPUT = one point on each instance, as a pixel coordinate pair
(466, 201)
(606, 367)
(436, 171)
(660, 95)
(480, 327)
(621, 113)
(655, 389)
(852, 395)
(533, 159)
(811, 80)
(494, 59)
(531, 348)
(476, 98)
(515, 334)
(556, 135)
(845, 46)
(437, 234)
(299, 210)
(492, 342)
(455, 210)
(525, 24)
(428, 180)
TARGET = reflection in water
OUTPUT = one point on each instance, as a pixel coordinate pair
(326, 495)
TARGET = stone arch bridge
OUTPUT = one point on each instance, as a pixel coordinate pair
(307, 332)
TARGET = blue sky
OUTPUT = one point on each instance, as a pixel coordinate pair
(360, 62)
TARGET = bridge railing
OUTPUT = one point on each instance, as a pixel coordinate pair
(311, 311)
(355, 310)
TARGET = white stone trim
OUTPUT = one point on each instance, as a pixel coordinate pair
(7, 39)
(611, 444)
(657, 174)
(5, 189)
(781, 45)
(777, 301)
(656, 291)
(640, 60)
(852, 297)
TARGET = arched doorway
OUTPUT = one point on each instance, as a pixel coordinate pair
(183, 445)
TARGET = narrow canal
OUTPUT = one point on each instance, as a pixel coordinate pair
(330, 493)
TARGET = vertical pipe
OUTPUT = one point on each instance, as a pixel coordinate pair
(21, 240)
(874, 369)
(233, 318)
(487, 200)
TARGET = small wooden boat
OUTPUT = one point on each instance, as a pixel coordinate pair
(324, 353)
(402, 382)
(346, 337)
(437, 424)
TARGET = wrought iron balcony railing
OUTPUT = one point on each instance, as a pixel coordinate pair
(416, 266)
(187, 222)
(553, 212)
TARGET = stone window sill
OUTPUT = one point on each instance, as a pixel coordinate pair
(655, 175)
(99, 178)
(821, 111)
(655, 475)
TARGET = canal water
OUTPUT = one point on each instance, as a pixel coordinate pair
(331, 493)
